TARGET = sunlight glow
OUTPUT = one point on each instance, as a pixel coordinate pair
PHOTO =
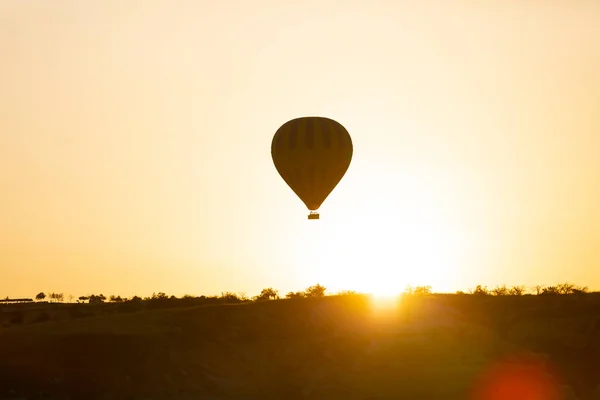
(404, 238)
(384, 304)
(135, 145)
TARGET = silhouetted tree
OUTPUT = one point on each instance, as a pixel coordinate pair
(295, 295)
(159, 296)
(94, 299)
(580, 290)
(422, 290)
(230, 297)
(315, 291)
(565, 288)
(539, 289)
(268, 294)
(347, 293)
(500, 291)
(40, 296)
(480, 291)
(56, 296)
(115, 299)
(550, 290)
(517, 291)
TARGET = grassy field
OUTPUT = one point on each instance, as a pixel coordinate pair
(336, 347)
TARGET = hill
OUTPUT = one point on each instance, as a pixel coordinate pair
(430, 347)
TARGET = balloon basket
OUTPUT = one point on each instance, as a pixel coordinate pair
(313, 215)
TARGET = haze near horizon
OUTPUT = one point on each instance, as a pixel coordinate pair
(135, 143)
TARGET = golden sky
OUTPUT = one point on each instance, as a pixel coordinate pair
(135, 144)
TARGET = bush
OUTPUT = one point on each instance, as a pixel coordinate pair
(480, 291)
(268, 294)
(517, 291)
(315, 291)
(550, 291)
(500, 291)
(418, 290)
(230, 297)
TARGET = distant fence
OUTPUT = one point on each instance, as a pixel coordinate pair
(12, 301)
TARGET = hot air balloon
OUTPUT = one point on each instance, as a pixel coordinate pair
(312, 154)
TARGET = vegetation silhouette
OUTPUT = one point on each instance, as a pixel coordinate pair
(306, 344)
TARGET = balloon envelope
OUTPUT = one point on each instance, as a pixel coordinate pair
(312, 154)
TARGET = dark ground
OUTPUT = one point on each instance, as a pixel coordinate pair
(433, 347)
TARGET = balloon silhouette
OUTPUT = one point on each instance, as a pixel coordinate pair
(312, 154)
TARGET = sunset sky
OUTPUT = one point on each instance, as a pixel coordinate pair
(135, 144)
